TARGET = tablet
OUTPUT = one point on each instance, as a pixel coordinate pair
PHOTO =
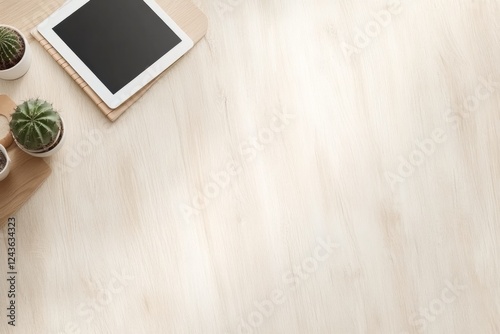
(116, 46)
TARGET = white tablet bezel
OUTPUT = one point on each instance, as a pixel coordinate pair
(116, 99)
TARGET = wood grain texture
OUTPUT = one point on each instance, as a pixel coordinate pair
(420, 255)
(26, 176)
(7, 107)
(184, 13)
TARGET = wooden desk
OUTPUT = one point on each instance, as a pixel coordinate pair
(207, 207)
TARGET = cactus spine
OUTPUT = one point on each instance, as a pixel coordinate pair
(12, 48)
(35, 125)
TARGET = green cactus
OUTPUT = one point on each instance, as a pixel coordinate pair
(12, 48)
(35, 125)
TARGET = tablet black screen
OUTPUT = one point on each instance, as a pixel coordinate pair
(117, 39)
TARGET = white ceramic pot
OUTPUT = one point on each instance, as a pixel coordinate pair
(53, 150)
(23, 66)
(5, 172)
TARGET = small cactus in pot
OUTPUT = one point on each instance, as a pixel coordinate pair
(15, 53)
(5, 163)
(37, 128)
(11, 48)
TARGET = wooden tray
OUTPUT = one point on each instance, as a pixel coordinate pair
(183, 12)
(26, 175)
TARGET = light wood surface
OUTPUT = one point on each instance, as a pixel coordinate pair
(27, 173)
(412, 251)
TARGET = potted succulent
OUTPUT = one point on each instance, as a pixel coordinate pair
(37, 128)
(15, 53)
(4, 163)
